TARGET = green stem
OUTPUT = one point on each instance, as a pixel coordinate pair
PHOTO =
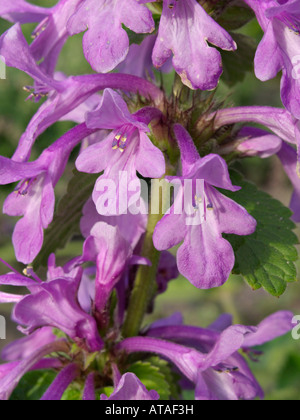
(145, 283)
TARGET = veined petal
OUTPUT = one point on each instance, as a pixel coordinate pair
(150, 161)
(111, 114)
(77, 89)
(189, 153)
(95, 158)
(22, 12)
(272, 327)
(135, 16)
(130, 388)
(11, 171)
(268, 60)
(55, 304)
(205, 258)
(258, 142)
(230, 341)
(106, 43)
(232, 218)
(89, 393)
(184, 31)
(15, 50)
(169, 231)
(61, 383)
(51, 34)
(22, 348)
(214, 171)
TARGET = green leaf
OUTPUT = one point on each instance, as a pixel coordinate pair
(266, 258)
(67, 217)
(289, 376)
(33, 385)
(72, 393)
(237, 63)
(156, 375)
(134, 38)
(108, 390)
(235, 16)
(171, 377)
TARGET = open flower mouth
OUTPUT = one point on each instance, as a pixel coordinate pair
(122, 138)
(292, 22)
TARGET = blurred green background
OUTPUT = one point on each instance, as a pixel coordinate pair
(279, 368)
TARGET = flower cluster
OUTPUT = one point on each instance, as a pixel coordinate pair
(83, 319)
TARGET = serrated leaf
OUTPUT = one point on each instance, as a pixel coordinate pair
(237, 63)
(152, 377)
(171, 377)
(67, 217)
(33, 385)
(266, 258)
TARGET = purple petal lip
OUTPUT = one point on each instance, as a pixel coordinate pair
(130, 388)
(200, 66)
(210, 214)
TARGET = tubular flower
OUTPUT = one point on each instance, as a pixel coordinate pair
(200, 215)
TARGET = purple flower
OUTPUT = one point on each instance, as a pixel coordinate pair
(127, 150)
(18, 280)
(278, 120)
(106, 43)
(112, 254)
(283, 124)
(289, 159)
(184, 32)
(54, 304)
(63, 95)
(128, 226)
(205, 257)
(12, 373)
(34, 199)
(130, 388)
(22, 348)
(139, 60)
(89, 388)
(279, 48)
(51, 34)
(257, 142)
(167, 271)
(131, 226)
(15, 50)
(174, 319)
(21, 11)
(61, 383)
(210, 359)
(51, 304)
